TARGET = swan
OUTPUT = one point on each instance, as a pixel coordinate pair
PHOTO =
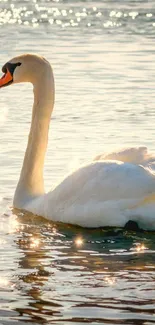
(134, 155)
(101, 193)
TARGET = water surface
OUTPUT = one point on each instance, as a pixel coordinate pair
(103, 55)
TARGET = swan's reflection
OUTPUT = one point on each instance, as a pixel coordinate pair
(32, 268)
(62, 268)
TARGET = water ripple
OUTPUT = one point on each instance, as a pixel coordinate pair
(102, 53)
(63, 14)
(54, 279)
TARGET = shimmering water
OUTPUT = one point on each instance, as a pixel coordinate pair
(103, 55)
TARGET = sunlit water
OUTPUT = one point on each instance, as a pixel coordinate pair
(103, 56)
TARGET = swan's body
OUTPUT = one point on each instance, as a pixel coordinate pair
(103, 193)
(99, 194)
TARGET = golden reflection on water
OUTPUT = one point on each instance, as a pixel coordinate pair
(79, 241)
(9, 223)
(140, 248)
(35, 15)
(14, 225)
(4, 282)
(35, 242)
(54, 275)
(49, 269)
(110, 280)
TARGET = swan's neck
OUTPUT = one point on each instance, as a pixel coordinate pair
(31, 183)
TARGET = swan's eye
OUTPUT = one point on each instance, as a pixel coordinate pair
(8, 70)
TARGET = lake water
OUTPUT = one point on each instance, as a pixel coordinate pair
(103, 56)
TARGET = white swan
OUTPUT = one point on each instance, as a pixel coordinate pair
(102, 193)
(133, 155)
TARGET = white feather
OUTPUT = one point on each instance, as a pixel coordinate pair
(104, 193)
(134, 155)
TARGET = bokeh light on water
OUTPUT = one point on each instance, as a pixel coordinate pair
(103, 57)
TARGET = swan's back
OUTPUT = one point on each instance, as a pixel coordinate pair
(134, 155)
(97, 194)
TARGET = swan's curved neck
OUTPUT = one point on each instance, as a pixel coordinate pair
(31, 183)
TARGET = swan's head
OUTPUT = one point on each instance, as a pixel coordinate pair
(25, 68)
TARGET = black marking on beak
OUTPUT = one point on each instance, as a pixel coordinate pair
(8, 70)
(10, 66)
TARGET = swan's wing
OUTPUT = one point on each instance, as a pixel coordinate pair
(99, 194)
(134, 155)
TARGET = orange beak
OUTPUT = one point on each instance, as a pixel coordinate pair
(6, 79)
